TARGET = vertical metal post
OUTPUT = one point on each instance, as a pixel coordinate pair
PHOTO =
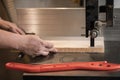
(91, 17)
(92, 42)
(109, 12)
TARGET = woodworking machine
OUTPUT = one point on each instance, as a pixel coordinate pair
(83, 18)
(94, 12)
(69, 18)
(71, 22)
(86, 19)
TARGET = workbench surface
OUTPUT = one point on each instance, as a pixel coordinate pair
(111, 55)
(71, 57)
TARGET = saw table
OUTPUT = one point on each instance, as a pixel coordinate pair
(73, 74)
(111, 55)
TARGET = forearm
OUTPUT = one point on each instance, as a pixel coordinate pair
(10, 40)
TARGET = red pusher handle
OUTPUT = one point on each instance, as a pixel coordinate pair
(35, 68)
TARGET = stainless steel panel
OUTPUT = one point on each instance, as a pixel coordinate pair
(116, 3)
(113, 33)
(52, 21)
(46, 3)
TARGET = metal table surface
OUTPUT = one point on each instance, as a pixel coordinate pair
(111, 55)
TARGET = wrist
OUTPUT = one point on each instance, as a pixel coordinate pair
(20, 42)
(17, 41)
(11, 40)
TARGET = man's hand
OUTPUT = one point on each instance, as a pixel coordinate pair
(29, 44)
(6, 25)
(34, 46)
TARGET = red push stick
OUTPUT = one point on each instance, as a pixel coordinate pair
(99, 66)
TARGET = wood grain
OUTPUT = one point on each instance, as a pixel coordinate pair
(82, 45)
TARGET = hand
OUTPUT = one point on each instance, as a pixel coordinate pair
(34, 46)
(6, 25)
(30, 44)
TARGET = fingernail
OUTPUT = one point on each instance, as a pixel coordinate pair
(45, 53)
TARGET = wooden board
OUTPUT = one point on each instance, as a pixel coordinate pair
(78, 45)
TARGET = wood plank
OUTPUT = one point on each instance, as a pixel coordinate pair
(80, 45)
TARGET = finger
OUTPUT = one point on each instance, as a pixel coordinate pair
(4, 26)
(53, 50)
(48, 44)
(14, 30)
(20, 31)
(44, 53)
(45, 43)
